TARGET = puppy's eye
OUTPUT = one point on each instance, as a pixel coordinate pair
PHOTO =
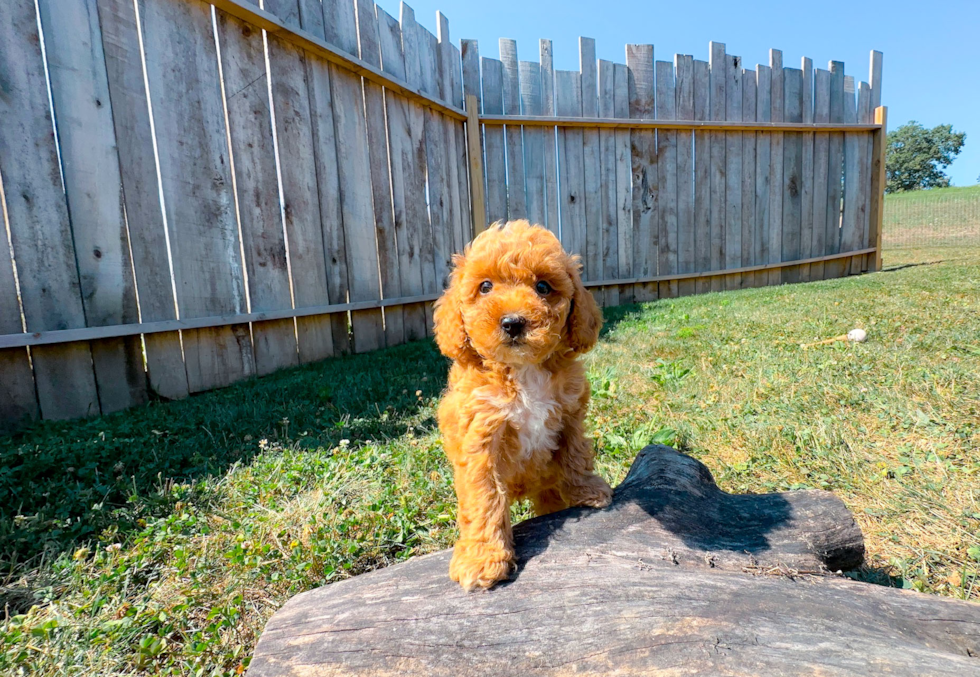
(486, 286)
(543, 288)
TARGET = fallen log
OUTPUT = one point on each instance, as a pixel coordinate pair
(676, 577)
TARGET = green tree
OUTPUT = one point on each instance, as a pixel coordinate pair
(916, 156)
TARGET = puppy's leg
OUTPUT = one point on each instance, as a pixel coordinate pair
(580, 485)
(484, 553)
(548, 501)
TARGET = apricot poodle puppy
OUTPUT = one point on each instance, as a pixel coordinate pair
(514, 321)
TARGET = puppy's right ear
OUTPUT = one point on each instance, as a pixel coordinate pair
(450, 331)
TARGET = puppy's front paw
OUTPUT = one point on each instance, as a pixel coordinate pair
(479, 565)
(594, 493)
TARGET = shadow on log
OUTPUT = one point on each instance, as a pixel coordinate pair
(675, 577)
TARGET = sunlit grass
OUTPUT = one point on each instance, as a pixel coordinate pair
(160, 540)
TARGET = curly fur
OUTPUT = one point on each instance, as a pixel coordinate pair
(512, 416)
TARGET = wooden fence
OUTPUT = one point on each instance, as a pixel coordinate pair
(196, 192)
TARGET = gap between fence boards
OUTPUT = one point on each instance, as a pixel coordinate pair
(93, 333)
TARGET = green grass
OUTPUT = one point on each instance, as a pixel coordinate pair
(932, 218)
(160, 540)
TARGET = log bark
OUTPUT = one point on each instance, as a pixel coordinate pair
(676, 577)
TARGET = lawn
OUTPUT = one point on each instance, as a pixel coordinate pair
(160, 540)
(937, 217)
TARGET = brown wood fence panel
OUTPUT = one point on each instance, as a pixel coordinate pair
(292, 182)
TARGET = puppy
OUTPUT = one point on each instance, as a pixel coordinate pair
(514, 321)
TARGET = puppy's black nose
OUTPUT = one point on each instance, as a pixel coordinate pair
(513, 325)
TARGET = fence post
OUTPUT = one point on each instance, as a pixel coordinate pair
(474, 153)
(878, 144)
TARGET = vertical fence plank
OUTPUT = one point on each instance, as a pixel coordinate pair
(436, 152)
(749, 102)
(144, 215)
(461, 164)
(18, 397)
(516, 200)
(776, 166)
(384, 218)
(716, 111)
(853, 208)
(407, 180)
(667, 181)
(195, 174)
(496, 165)
(684, 68)
(835, 268)
(590, 153)
(38, 219)
(568, 103)
(471, 86)
(626, 223)
(644, 164)
(792, 172)
(291, 73)
(864, 116)
(607, 161)
(821, 113)
(356, 194)
(760, 232)
(328, 189)
(533, 143)
(444, 88)
(93, 186)
(733, 172)
(418, 206)
(875, 205)
(806, 177)
(550, 157)
(246, 85)
(878, 181)
(702, 177)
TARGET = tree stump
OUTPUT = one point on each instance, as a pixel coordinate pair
(675, 577)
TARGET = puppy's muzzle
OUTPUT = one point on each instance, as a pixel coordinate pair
(513, 325)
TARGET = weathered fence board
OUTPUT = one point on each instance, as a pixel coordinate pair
(201, 190)
(608, 167)
(644, 240)
(684, 88)
(37, 218)
(246, 85)
(592, 255)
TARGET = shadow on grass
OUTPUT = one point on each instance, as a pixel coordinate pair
(64, 483)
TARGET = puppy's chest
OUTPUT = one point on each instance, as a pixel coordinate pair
(535, 411)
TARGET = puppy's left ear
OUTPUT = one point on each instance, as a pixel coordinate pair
(584, 317)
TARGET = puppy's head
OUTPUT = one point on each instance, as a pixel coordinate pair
(515, 297)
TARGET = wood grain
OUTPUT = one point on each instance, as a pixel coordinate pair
(93, 187)
(776, 159)
(568, 101)
(608, 190)
(534, 142)
(702, 176)
(749, 110)
(760, 236)
(667, 182)
(37, 218)
(496, 165)
(716, 111)
(834, 173)
(626, 219)
(792, 173)
(407, 179)
(246, 93)
(550, 151)
(144, 215)
(516, 196)
(733, 171)
(686, 262)
(674, 573)
(592, 255)
(806, 181)
(644, 162)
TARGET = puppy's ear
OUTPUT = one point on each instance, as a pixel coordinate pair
(448, 320)
(584, 317)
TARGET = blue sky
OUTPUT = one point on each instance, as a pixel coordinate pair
(931, 69)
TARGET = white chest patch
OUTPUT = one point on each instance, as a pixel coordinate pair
(531, 410)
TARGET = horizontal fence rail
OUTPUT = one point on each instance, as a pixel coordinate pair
(292, 182)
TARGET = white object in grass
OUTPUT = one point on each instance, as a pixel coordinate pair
(858, 335)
